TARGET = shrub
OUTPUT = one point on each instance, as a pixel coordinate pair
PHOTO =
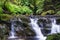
(17, 9)
(26, 10)
(12, 8)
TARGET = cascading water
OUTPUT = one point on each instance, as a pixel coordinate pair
(12, 33)
(55, 28)
(37, 29)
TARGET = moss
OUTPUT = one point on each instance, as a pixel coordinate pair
(5, 17)
(53, 37)
(58, 13)
(49, 12)
(1, 10)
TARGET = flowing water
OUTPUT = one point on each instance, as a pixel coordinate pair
(37, 29)
(12, 33)
(55, 28)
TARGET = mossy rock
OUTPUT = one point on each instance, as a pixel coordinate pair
(28, 30)
(25, 30)
(5, 17)
(58, 13)
(49, 12)
(53, 37)
(24, 18)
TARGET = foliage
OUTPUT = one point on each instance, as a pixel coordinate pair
(58, 12)
(52, 5)
(57, 6)
(53, 37)
(17, 2)
(1, 10)
(2, 2)
(40, 5)
(17, 9)
(12, 8)
(26, 9)
(30, 6)
(37, 5)
(25, 2)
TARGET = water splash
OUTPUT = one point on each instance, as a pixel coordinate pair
(37, 29)
(55, 28)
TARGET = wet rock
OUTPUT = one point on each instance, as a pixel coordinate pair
(58, 21)
(23, 29)
(16, 39)
(25, 19)
(45, 25)
(4, 30)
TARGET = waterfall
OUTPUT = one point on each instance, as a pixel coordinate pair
(55, 28)
(12, 32)
(37, 29)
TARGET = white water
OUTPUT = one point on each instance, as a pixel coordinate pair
(55, 28)
(12, 33)
(37, 29)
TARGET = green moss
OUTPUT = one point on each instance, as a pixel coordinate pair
(2, 2)
(58, 13)
(1, 10)
(49, 12)
(5, 17)
(53, 37)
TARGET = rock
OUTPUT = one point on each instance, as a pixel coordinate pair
(17, 39)
(53, 37)
(4, 30)
(24, 29)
